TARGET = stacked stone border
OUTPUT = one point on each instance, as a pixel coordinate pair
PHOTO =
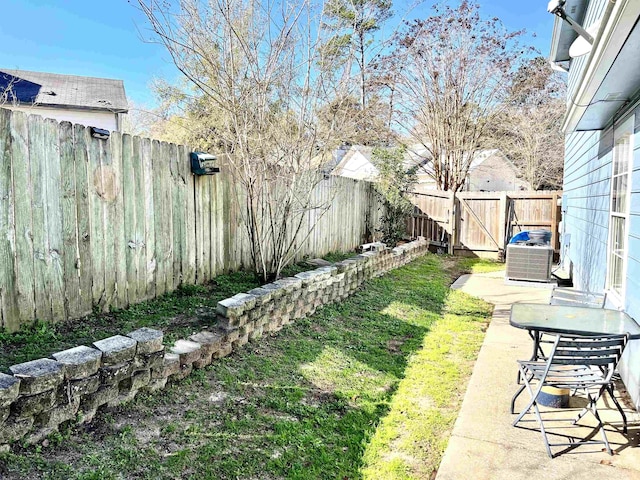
(73, 384)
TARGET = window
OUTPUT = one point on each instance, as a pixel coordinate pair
(619, 209)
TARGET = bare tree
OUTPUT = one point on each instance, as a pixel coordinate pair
(528, 130)
(8, 94)
(453, 71)
(254, 66)
(353, 125)
(140, 121)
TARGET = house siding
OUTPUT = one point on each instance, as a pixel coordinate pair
(629, 370)
(586, 207)
(495, 174)
(632, 300)
(586, 202)
(90, 118)
(586, 199)
(595, 10)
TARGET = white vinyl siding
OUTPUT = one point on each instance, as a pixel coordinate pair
(585, 205)
(90, 118)
(595, 10)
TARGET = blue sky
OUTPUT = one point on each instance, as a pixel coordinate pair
(102, 39)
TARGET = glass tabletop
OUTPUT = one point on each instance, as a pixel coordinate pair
(572, 319)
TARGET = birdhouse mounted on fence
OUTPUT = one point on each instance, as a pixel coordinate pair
(203, 163)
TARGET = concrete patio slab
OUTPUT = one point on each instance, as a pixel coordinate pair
(484, 445)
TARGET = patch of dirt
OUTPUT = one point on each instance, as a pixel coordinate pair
(98, 428)
(278, 416)
(393, 345)
(450, 265)
(315, 397)
(394, 455)
(218, 397)
(147, 435)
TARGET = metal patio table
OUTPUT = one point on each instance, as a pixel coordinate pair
(538, 319)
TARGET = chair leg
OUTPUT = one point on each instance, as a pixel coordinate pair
(542, 430)
(532, 402)
(513, 399)
(592, 406)
(585, 410)
(521, 375)
(615, 401)
(597, 415)
(609, 389)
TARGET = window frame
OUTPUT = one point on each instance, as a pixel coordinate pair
(625, 130)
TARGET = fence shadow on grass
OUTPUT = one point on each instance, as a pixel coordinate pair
(301, 404)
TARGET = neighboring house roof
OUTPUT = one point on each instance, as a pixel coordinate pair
(483, 155)
(64, 91)
(356, 163)
(419, 155)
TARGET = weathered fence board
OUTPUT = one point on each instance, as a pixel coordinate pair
(24, 286)
(137, 242)
(129, 200)
(96, 222)
(109, 196)
(149, 267)
(54, 218)
(167, 217)
(177, 216)
(481, 223)
(69, 221)
(214, 226)
(39, 200)
(83, 216)
(158, 217)
(119, 236)
(205, 185)
(189, 260)
(90, 223)
(8, 302)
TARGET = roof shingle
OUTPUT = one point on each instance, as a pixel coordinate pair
(56, 90)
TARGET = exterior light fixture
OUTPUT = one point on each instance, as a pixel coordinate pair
(100, 133)
(203, 163)
(556, 7)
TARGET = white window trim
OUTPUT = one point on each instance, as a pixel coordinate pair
(622, 129)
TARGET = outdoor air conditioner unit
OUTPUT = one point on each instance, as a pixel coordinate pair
(529, 262)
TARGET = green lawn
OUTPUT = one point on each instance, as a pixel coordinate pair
(480, 265)
(368, 388)
(177, 314)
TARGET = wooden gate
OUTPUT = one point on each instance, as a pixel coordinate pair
(432, 217)
(481, 223)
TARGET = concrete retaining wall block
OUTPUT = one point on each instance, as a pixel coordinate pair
(75, 383)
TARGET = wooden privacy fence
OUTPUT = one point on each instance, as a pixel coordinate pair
(481, 223)
(88, 223)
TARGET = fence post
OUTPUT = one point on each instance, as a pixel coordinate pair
(503, 225)
(453, 222)
(554, 222)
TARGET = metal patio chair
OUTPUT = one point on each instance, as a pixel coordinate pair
(578, 362)
(577, 298)
(571, 298)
